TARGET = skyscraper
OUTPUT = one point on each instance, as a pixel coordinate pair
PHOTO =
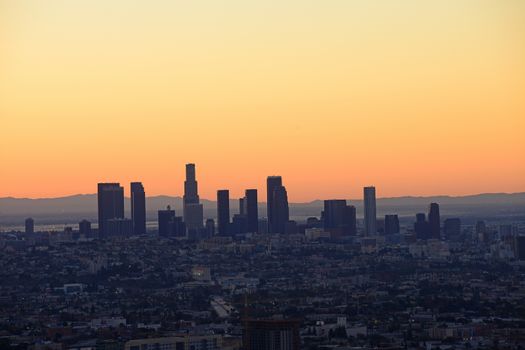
(421, 226)
(280, 212)
(84, 228)
(252, 210)
(223, 212)
(370, 210)
(192, 209)
(29, 226)
(434, 221)
(339, 218)
(391, 224)
(165, 220)
(110, 205)
(138, 208)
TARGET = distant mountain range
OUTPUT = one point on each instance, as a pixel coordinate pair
(76, 207)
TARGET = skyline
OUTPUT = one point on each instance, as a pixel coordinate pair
(414, 98)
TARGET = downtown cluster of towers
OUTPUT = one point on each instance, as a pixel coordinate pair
(338, 217)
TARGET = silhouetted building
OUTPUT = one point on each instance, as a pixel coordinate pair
(252, 210)
(242, 206)
(272, 182)
(29, 226)
(280, 211)
(263, 225)
(177, 227)
(193, 211)
(421, 226)
(165, 217)
(370, 210)
(434, 221)
(84, 228)
(271, 334)
(291, 228)
(119, 227)
(339, 218)
(223, 212)
(452, 228)
(138, 208)
(110, 205)
(391, 224)
(238, 225)
(210, 228)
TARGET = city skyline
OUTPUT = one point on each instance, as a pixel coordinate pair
(414, 97)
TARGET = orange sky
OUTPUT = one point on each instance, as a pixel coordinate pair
(414, 97)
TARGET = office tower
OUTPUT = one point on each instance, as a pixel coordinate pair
(421, 226)
(192, 209)
(252, 210)
(271, 334)
(262, 226)
(272, 182)
(84, 228)
(242, 206)
(370, 211)
(391, 224)
(210, 228)
(280, 212)
(119, 227)
(177, 227)
(138, 208)
(165, 217)
(434, 221)
(452, 228)
(339, 218)
(29, 226)
(110, 204)
(238, 224)
(223, 212)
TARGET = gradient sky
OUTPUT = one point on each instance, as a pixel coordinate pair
(415, 97)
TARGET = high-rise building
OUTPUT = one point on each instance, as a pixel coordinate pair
(370, 211)
(223, 212)
(119, 227)
(192, 209)
(110, 205)
(434, 221)
(165, 218)
(421, 226)
(210, 228)
(519, 247)
(280, 210)
(29, 226)
(242, 206)
(391, 224)
(339, 218)
(84, 228)
(272, 182)
(252, 210)
(138, 208)
(272, 334)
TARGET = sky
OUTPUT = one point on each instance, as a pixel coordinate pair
(414, 97)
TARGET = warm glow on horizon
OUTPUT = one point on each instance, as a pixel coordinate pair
(414, 97)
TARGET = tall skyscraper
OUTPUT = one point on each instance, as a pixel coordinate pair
(223, 212)
(252, 210)
(192, 209)
(391, 224)
(339, 218)
(370, 210)
(276, 212)
(110, 205)
(29, 226)
(138, 208)
(165, 219)
(434, 221)
(421, 226)
(280, 210)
